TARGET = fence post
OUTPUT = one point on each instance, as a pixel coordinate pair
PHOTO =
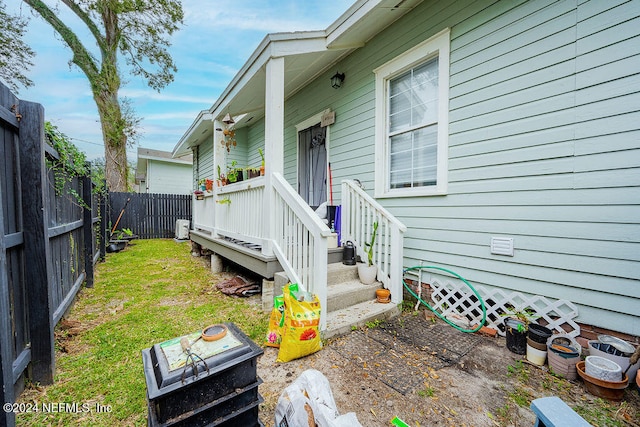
(104, 217)
(35, 196)
(87, 228)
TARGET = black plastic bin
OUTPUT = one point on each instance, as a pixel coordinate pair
(230, 387)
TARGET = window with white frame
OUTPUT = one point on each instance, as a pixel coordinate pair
(412, 121)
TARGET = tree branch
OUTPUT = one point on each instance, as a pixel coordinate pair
(81, 56)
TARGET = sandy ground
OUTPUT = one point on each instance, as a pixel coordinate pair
(488, 386)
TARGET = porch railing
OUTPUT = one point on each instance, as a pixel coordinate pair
(300, 241)
(238, 211)
(203, 213)
(359, 213)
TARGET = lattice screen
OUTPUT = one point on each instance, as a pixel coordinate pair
(451, 296)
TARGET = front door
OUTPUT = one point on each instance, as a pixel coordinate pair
(312, 165)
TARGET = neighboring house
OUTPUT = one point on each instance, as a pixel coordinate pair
(158, 172)
(505, 136)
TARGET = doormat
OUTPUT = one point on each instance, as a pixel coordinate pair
(439, 339)
(405, 352)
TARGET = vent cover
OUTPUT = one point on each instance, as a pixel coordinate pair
(502, 246)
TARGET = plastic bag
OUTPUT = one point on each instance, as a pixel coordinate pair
(276, 323)
(308, 401)
(301, 335)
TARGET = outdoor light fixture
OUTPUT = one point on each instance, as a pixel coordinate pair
(228, 120)
(336, 80)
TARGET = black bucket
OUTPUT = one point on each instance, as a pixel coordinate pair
(539, 333)
(516, 340)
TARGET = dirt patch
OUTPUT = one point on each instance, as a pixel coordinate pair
(427, 373)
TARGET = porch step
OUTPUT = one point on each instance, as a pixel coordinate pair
(345, 294)
(342, 321)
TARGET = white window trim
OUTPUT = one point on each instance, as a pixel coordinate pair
(436, 46)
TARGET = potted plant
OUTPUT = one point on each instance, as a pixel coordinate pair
(232, 173)
(262, 164)
(208, 184)
(367, 273)
(202, 185)
(516, 323)
(199, 194)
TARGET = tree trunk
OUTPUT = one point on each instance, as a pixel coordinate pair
(115, 142)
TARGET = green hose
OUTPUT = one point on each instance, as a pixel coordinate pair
(484, 309)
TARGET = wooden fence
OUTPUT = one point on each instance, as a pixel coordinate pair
(148, 215)
(48, 247)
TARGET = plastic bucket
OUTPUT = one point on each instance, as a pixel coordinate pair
(539, 333)
(535, 356)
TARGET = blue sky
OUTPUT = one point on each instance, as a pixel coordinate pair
(215, 41)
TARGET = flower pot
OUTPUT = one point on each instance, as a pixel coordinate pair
(516, 335)
(602, 369)
(535, 356)
(367, 273)
(539, 333)
(562, 355)
(611, 390)
(608, 351)
(383, 296)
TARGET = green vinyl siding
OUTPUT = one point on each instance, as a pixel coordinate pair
(544, 147)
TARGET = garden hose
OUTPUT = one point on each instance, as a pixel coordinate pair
(484, 309)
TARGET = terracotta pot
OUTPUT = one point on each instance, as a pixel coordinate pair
(611, 390)
(383, 295)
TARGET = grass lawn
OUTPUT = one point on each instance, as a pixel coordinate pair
(151, 292)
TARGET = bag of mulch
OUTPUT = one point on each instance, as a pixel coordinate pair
(308, 401)
(276, 323)
(301, 334)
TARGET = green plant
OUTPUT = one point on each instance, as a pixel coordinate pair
(261, 155)
(232, 172)
(525, 316)
(219, 175)
(369, 246)
(427, 392)
(70, 164)
(373, 323)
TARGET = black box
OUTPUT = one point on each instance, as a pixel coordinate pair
(231, 382)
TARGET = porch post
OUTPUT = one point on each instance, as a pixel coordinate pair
(219, 161)
(273, 140)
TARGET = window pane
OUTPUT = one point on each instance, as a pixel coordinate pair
(413, 123)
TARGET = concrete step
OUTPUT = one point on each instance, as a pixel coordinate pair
(338, 272)
(342, 321)
(347, 293)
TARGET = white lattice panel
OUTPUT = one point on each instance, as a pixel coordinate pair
(454, 297)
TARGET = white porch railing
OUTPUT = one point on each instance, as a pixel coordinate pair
(359, 212)
(300, 242)
(203, 212)
(238, 211)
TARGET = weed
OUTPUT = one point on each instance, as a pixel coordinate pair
(427, 392)
(520, 370)
(373, 323)
(520, 397)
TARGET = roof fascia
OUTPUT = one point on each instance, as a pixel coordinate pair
(181, 148)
